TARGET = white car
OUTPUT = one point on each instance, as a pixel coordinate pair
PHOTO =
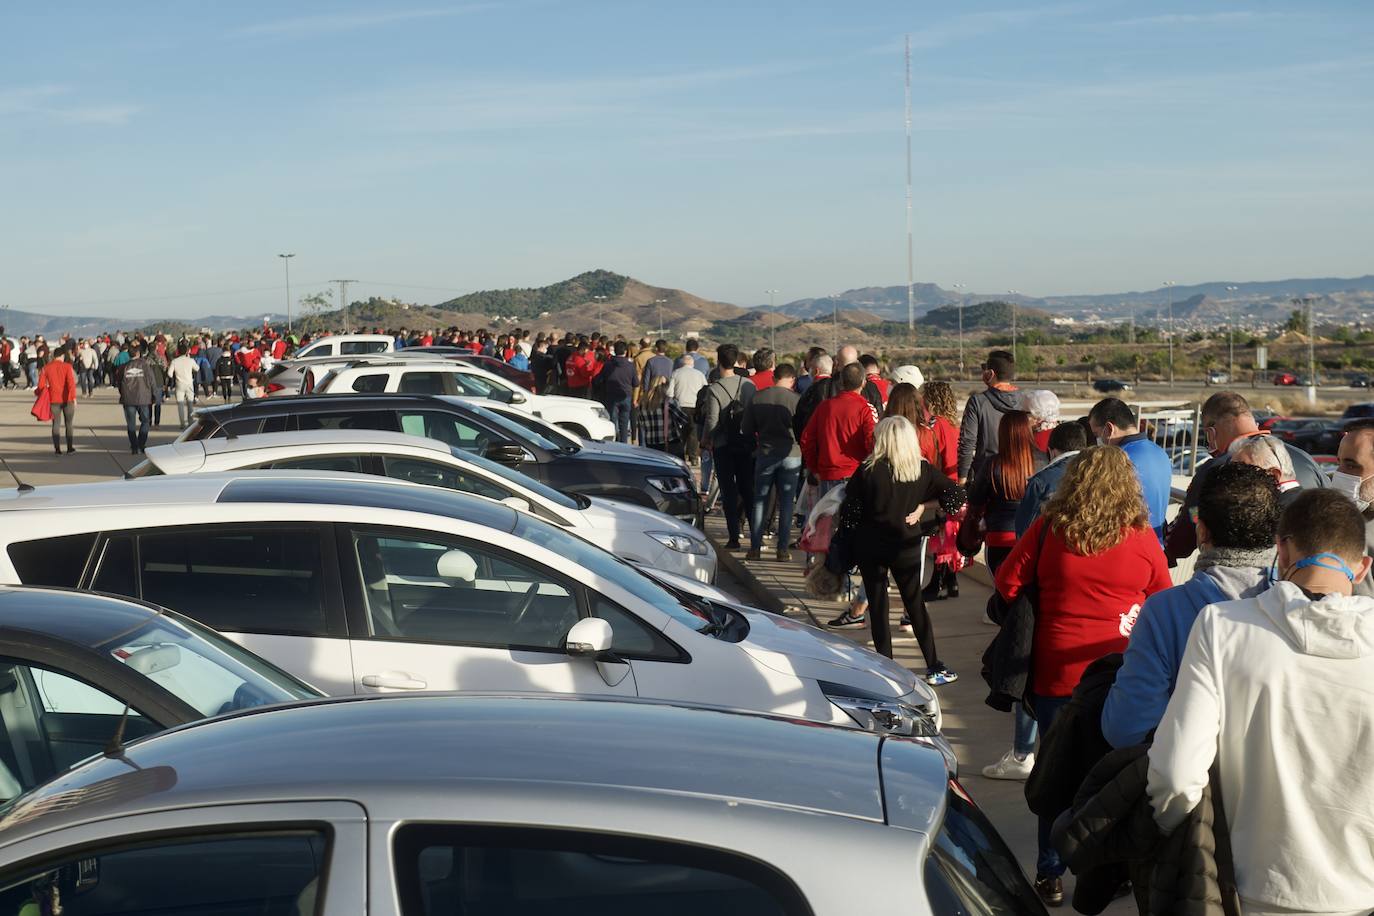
(634, 533)
(347, 345)
(584, 417)
(365, 585)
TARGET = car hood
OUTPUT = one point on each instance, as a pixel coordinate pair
(559, 400)
(798, 648)
(630, 454)
(612, 514)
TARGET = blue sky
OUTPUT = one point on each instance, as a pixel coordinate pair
(155, 157)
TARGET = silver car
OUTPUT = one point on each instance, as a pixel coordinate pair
(509, 805)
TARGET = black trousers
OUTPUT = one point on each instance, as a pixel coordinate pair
(907, 575)
(734, 468)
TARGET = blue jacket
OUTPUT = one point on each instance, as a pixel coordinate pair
(1156, 475)
(1039, 489)
(1135, 706)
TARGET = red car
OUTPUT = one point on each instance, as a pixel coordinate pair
(1268, 422)
(1285, 378)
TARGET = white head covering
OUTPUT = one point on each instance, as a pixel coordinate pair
(1043, 406)
(909, 374)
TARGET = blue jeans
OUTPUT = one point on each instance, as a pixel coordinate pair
(768, 473)
(1047, 862)
(143, 413)
(620, 416)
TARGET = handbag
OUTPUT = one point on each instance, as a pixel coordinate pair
(969, 540)
(42, 406)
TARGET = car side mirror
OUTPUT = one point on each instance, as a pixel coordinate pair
(517, 398)
(589, 637)
(501, 395)
(505, 453)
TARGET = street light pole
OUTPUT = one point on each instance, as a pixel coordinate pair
(1012, 303)
(1308, 302)
(286, 260)
(959, 291)
(773, 319)
(835, 321)
(600, 314)
(1169, 288)
(659, 303)
(1231, 337)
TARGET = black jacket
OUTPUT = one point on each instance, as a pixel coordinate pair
(882, 533)
(616, 379)
(1109, 833)
(1007, 659)
(1074, 743)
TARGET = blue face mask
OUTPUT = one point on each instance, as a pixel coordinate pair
(1336, 564)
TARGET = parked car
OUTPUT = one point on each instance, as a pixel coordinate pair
(363, 585)
(1218, 377)
(640, 476)
(72, 662)
(633, 533)
(1266, 418)
(514, 805)
(1316, 436)
(1110, 385)
(521, 377)
(587, 418)
(347, 345)
(1285, 378)
(287, 375)
(1359, 381)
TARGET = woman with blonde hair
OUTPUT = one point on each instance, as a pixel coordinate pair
(1093, 559)
(896, 499)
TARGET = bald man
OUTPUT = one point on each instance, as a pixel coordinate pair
(824, 389)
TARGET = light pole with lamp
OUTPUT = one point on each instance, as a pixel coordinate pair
(1169, 291)
(286, 262)
(600, 315)
(1012, 303)
(835, 322)
(959, 291)
(1231, 338)
(659, 303)
(1307, 302)
(773, 320)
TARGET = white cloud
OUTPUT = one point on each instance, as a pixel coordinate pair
(345, 22)
(55, 103)
(1233, 17)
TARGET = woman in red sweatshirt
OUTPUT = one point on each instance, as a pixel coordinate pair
(1094, 560)
(59, 379)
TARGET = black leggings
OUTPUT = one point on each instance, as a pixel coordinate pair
(908, 579)
(63, 413)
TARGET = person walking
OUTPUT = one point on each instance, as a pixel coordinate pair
(1114, 423)
(939, 408)
(764, 363)
(1093, 559)
(59, 380)
(727, 400)
(768, 420)
(182, 375)
(136, 397)
(1001, 482)
(88, 365)
(839, 434)
(616, 380)
(660, 424)
(684, 386)
(983, 414)
(897, 498)
(1273, 694)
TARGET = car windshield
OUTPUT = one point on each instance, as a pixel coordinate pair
(532, 436)
(609, 567)
(567, 441)
(515, 478)
(203, 669)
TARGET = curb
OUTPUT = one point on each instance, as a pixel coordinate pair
(762, 595)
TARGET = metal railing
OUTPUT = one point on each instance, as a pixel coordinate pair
(1178, 432)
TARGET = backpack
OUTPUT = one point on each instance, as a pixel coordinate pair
(731, 418)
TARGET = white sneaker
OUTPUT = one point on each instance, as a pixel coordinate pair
(1010, 768)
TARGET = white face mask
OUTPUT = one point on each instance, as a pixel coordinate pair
(1349, 485)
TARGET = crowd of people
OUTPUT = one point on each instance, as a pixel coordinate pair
(1199, 743)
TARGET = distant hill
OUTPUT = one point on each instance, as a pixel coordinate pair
(887, 302)
(984, 316)
(28, 324)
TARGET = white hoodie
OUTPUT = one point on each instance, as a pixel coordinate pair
(1284, 687)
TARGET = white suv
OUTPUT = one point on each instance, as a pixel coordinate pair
(587, 419)
(347, 345)
(364, 585)
(640, 535)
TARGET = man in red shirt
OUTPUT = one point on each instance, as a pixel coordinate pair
(581, 368)
(839, 435)
(870, 364)
(279, 348)
(764, 362)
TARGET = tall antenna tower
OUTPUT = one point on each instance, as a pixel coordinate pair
(343, 301)
(910, 262)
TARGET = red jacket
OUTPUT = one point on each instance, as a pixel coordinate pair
(580, 370)
(947, 438)
(279, 348)
(838, 437)
(762, 379)
(1087, 605)
(60, 380)
(249, 358)
(883, 385)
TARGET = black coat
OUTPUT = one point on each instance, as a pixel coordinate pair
(1110, 833)
(1007, 660)
(1074, 743)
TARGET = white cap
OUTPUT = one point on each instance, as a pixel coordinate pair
(909, 374)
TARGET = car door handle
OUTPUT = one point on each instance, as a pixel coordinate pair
(394, 680)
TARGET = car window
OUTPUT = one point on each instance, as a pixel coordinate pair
(632, 637)
(448, 428)
(145, 468)
(417, 470)
(262, 873)
(457, 592)
(601, 563)
(52, 721)
(970, 869)
(203, 669)
(444, 870)
(251, 426)
(319, 349)
(423, 382)
(532, 434)
(353, 463)
(354, 347)
(52, 561)
(473, 385)
(372, 383)
(115, 573)
(515, 478)
(384, 420)
(238, 579)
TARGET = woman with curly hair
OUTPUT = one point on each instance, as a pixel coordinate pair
(941, 413)
(1094, 560)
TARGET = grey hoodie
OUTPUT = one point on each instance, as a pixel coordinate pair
(978, 430)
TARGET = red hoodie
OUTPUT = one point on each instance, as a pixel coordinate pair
(580, 370)
(838, 437)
